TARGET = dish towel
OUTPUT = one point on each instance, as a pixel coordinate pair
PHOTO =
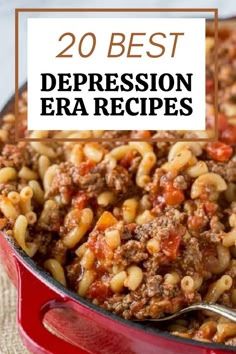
(10, 342)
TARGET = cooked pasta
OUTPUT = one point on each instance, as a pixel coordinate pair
(7, 174)
(27, 173)
(20, 234)
(7, 208)
(218, 288)
(75, 235)
(57, 271)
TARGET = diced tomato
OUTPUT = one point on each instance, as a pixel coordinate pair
(100, 248)
(141, 134)
(80, 200)
(195, 222)
(219, 151)
(99, 290)
(85, 167)
(172, 195)
(228, 136)
(209, 85)
(100, 269)
(127, 159)
(210, 208)
(170, 245)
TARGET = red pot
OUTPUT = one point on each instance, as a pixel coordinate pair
(77, 325)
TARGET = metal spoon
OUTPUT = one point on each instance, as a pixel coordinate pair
(221, 310)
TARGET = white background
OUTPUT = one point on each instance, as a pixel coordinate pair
(227, 8)
(43, 46)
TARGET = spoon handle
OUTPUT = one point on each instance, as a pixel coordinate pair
(221, 310)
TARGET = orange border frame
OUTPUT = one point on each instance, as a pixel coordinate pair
(117, 10)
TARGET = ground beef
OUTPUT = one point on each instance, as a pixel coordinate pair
(127, 232)
(43, 240)
(131, 252)
(118, 179)
(69, 180)
(161, 226)
(191, 259)
(153, 285)
(215, 232)
(152, 265)
(226, 170)
(58, 251)
(14, 156)
(170, 291)
(231, 171)
(92, 183)
(61, 183)
(73, 274)
(118, 303)
(153, 186)
(51, 221)
(134, 304)
(102, 177)
(142, 303)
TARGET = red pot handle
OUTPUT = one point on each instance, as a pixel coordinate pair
(34, 299)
